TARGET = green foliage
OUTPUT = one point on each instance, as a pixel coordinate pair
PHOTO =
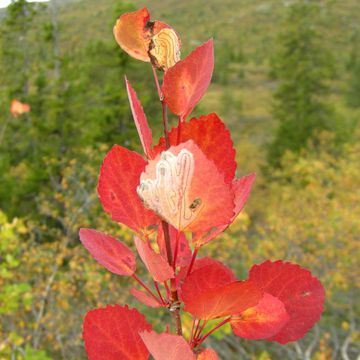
(303, 66)
(353, 93)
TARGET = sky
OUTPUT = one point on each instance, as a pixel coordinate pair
(5, 3)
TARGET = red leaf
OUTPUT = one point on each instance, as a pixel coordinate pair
(205, 278)
(112, 333)
(184, 251)
(302, 294)
(144, 298)
(241, 188)
(119, 177)
(140, 120)
(225, 300)
(109, 252)
(157, 266)
(207, 354)
(213, 138)
(167, 347)
(133, 32)
(186, 82)
(173, 186)
(261, 321)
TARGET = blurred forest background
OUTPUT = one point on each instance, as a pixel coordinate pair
(287, 84)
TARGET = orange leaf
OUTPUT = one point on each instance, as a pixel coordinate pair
(167, 347)
(134, 31)
(119, 177)
(109, 252)
(186, 82)
(18, 108)
(157, 266)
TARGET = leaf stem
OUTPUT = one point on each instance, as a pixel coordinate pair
(219, 325)
(146, 288)
(176, 249)
(197, 337)
(158, 88)
(159, 293)
(192, 261)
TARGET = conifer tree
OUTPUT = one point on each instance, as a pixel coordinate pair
(302, 66)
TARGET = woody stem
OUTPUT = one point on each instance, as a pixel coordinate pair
(175, 304)
(175, 310)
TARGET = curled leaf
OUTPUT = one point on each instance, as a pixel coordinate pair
(140, 119)
(109, 252)
(165, 49)
(136, 35)
(112, 333)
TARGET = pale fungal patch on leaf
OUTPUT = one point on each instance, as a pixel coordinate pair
(164, 49)
(168, 192)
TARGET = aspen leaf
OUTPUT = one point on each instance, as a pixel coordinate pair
(140, 119)
(157, 266)
(261, 321)
(302, 294)
(109, 252)
(186, 82)
(165, 346)
(173, 186)
(112, 333)
(119, 177)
